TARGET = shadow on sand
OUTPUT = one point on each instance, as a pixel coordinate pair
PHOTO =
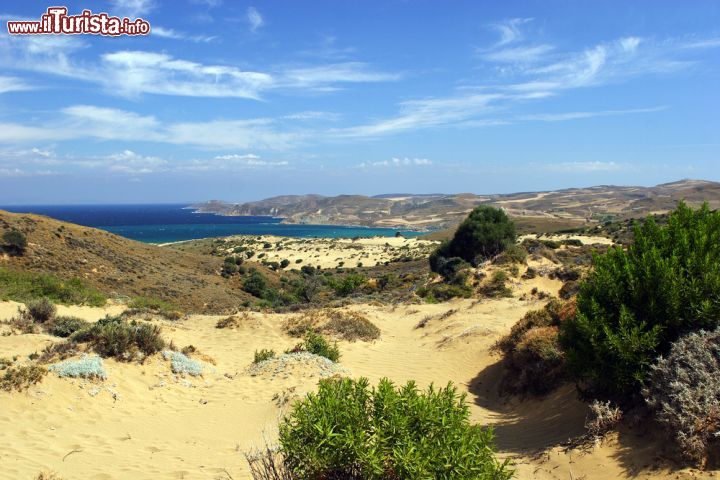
(530, 426)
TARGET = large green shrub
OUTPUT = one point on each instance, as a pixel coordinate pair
(636, 302)
(348, 430)
(486, 232)
(15, 241)
(115, 337)
(255, 284)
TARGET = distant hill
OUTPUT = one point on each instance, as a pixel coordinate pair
(118, 266)
(566, 208)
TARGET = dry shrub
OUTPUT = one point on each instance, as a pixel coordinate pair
(567, 310)
(233, 321)
(603, 418)
(267, 464)
(22, 377)
(41, 310)
(684, 392)
(534, 360)
(23, 322)
(48, 476)
(349, 326)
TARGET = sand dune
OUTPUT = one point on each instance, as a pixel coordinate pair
(146, 422)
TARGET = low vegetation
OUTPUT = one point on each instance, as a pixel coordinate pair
(27, 286)
(533, 358)
(14, 241)
(154, 305)
(350, 430)
(345, 325)
(121, 339)
(21, 377)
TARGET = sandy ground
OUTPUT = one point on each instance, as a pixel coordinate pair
(145, 422)
(585, 239)
(330, 252)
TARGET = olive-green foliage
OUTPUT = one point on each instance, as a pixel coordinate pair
(486, 232)
(441, 292)
(27, 286)
(255, 284)
(636, 302)
(15, 241)
(349, 430)
(41, 310)
(65, 326)
(317, 344)
(156, 305)
(115, 337)
(495, 286)
(262, 355)
(514, 253)
(347, 284)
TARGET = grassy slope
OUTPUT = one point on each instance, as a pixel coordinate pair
(118, 266)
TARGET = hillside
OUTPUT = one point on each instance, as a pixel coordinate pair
(561, 208)
(121, 267)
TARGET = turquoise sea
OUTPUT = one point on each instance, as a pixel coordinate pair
(176, 222)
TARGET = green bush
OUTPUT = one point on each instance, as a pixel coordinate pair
(66, 326)
(156, 305)
(348, 284)
(636, 302)
(15, 241)
(486, 232)
(255, 284)
(27, 286)
(41, 310)
(262, 355)
(351, 431)
(317, 344)
(442, 292)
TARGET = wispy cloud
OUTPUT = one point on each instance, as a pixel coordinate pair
(254, 19)
(99, 123)
(396, 162)
(523, 54)
(13, 84)
(171, 34)
(561, 117)
(509, 30)
(328, 77)
(132, 8)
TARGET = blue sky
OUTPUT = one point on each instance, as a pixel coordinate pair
(238, 101)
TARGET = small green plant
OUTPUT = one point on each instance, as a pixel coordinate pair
(262, 355)
(255, 284)
(349, 430)
(317, 344)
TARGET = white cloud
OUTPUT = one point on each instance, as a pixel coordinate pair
(396, 162)
(12, 84)
(630, 44)
(527, 54)
(510, 30)
(324, 77)
(560, 117)
(132, 8)
(136, 72)
(171, 34)
(254, 19)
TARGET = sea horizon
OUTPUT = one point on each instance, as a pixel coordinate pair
(176, 222)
